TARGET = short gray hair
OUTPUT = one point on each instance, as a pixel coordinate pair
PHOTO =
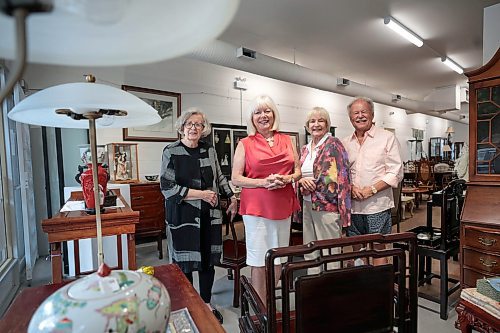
(181, 121)
(262, 101)
(323, 114)
(367, 100)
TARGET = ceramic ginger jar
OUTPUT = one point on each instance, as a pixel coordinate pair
(123, 301)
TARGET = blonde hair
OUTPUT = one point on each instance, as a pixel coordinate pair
(260, 102)
(322, 113)
(181, 121)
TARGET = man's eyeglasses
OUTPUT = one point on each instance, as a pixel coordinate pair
(196, 125)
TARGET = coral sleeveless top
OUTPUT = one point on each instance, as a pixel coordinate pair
(261, 160)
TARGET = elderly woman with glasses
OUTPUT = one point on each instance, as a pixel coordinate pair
(191, 181)
(265, 165)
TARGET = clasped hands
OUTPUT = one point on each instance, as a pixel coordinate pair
(307, 185)
(361, 193)
(211, 197)
(274, 182)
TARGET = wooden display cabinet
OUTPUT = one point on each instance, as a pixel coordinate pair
(480, 226)
(225, 138)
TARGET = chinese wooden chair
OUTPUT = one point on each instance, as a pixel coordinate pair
(324, 295)
(441, 243)
(396, 210)
(234, 253)
(425, 175)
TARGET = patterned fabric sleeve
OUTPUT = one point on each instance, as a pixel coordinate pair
(170, 189)
(344, 183)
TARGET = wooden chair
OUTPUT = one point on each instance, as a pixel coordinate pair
(234, 254)
(365, 298)
(396, 210)
(425, 175)
(442, 242)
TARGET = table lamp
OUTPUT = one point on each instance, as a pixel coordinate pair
(105, 301)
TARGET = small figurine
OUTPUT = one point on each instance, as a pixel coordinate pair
(121, 170)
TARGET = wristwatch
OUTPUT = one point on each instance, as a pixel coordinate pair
(374, 190)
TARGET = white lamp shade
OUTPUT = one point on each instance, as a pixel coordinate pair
(39, 108)
(446, 148)
(118, 32)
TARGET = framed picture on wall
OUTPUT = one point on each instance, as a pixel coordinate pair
(168, 106)
(295, 139)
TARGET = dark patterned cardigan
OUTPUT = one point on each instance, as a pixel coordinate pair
(183, 216)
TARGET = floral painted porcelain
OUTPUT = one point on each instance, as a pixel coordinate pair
(123, 301)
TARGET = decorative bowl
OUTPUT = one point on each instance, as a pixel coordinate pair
(123, 301)
(151, 178)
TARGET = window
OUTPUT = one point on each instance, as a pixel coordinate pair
(3, 227)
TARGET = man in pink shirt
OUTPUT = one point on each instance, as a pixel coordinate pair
(376, 167)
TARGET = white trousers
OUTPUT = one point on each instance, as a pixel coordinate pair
(319, 225)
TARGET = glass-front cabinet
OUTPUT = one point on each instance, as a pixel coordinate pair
(487, 118)
(225, 138)
(484, 112)
(436, 151)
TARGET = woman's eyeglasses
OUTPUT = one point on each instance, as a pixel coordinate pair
(196, 125)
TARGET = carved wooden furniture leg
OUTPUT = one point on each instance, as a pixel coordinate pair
(131, 251)
(56, 260)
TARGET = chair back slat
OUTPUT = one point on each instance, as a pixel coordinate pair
(325, 291)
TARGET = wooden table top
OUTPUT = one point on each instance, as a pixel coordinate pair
(409, 190)
(79, 224)
(182, 294)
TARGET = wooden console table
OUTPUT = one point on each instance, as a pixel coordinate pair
(471, 317)
(76, 225)
(182, 295)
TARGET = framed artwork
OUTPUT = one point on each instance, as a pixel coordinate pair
(295, 139)
(168, 106)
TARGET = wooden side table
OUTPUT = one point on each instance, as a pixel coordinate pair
(76, 225)
(471, 316)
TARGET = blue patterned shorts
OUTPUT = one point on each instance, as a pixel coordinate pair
(370, 224)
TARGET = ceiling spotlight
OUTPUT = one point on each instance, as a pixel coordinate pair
(453, 65)
(403, 31)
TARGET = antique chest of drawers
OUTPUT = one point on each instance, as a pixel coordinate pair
(147, 199)
(480, 235)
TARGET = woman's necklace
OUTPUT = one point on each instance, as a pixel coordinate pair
(270, 140)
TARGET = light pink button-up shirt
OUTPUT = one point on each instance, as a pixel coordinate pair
(378, 158)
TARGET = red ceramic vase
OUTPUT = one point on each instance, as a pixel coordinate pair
(88, 185)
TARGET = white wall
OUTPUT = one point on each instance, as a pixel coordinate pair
(210, 87)
(491, 32)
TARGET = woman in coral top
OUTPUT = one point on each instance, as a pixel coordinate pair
(266, 166)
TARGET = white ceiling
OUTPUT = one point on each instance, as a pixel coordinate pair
(347, 38)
